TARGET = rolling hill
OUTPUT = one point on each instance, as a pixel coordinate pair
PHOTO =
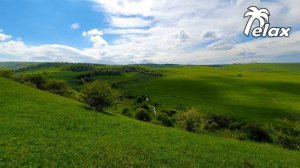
(265, 93)
(40, 129)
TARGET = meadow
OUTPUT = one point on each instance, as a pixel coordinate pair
(40, 129)
(43, 129)
(266, 93)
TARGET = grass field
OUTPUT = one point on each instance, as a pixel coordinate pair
(39, 129)
(266, 93)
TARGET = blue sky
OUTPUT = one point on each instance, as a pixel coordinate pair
(48, 21)
(143, 31)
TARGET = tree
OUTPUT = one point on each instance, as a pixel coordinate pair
(99, 95)
(37, 79)
(190, 119)
(6, 73)
(143, 115)
(59, 87)
(262, 15)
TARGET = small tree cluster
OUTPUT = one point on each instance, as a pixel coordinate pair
(99, 95)
(59, 87)
(6, 73)
(190, 119)
(143, 115)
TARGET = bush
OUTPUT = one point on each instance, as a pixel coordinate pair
(6, 73)
(59, 87)
(37, 79)
(165, 120)
(222, 121)
(143, 115)
(169, 112)
(235, 125)
(257, 133)
(141, 99)
(190, 120)
(212, 126)
(99, 95)
(288, 141)
(126, 112)
(145, 106)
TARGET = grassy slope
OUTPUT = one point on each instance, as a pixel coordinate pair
(267, 93)
(41, 129)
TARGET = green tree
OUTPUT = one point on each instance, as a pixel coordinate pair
(37, 79)
(59, 87)
(190, 119)
(6, 73)
(99, 95)
(143, 115)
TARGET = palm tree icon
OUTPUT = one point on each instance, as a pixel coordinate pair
(262, 15)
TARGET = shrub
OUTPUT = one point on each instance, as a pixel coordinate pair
(126, 112)
(6, 73)
(37, 79)
(257, 133)
(190, 119)
(165, 120)
(59, 87)
(143, 115)
(222, 121)
(288, 141)
(169, 112)
(145, 106)
(99, 95)
(212, 126)
(235, 125)
(141, 99)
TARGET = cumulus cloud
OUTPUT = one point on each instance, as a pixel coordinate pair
(129, 22)
(179, 27)
(53, 53)
(75, 26)
(3, 36)
(125, 7)
(180, 31)
(95, 37)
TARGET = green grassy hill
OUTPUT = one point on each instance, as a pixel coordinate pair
(41, 129)
(266, 93)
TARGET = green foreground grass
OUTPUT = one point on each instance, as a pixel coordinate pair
(41, 129)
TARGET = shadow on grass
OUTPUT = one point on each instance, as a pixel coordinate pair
(86, 107)
(252, 99)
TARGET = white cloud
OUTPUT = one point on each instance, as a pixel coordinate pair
(18, 51)
(4, 37)
(75, 26)
(129, 22)
(93, 32)
(177, 31)
(125, 7)
(126, 31)
(180, 27)
(95, 37)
